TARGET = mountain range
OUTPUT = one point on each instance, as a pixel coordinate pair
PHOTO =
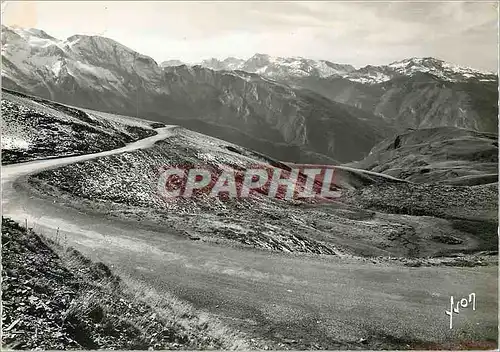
(294, 109)
(284, 67)
(279, 67)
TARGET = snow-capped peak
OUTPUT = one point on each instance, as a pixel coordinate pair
(30, 50)
(408, 67)
(28, 32)
(27, 36)
(279, 67)
(39, 33)
(92, 61)
(437, 67)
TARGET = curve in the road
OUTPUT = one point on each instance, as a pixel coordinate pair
(312, 299)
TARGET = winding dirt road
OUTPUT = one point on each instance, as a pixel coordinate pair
(297, 299)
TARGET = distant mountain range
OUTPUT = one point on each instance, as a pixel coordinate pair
(411, 93)
(294, 109)
(284, 67)
(279, 67)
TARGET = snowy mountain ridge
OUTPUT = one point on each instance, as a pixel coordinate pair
(31, 56)
(99, 73)
(408, 67)
(275, 66)
(33, 52)
(283, 67)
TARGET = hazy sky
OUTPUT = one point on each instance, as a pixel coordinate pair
(358, 33)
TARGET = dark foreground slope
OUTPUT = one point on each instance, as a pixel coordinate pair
(35, 128)
(445, 155)
(55, 298)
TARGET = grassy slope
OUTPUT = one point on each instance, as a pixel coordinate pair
(55, 298)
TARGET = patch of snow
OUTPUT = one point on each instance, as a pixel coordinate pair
(371, 78)
(243, 77)
(6, 74)
(95, 71)
(261, 70)
(14, 142)
(56, 68)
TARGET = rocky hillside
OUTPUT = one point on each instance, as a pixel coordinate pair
(446, 155)
(35, 128)
(293, 125)
(420, 100)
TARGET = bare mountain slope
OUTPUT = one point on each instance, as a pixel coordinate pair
(421, 100)
(110, 207)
